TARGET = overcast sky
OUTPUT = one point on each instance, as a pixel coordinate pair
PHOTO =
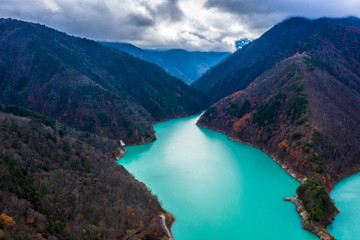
(188, 24)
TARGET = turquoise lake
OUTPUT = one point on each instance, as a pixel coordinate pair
(346, 195)
(216, 188)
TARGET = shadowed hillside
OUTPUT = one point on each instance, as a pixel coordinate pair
(81, 83)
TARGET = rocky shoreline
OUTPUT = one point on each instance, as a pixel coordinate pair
(316, 228)
(118, 153)
(295, 175)
(157, 228)
(161, 223)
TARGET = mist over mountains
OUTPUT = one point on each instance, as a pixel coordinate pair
(185, 65)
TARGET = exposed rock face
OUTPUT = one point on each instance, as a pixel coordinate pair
(157, 229)
(316, 228)
(118, 153)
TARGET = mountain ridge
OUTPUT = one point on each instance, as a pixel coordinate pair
(185, 65)
(86, 85)
(302, 110)
(247, 63)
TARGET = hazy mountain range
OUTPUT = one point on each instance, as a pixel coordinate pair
(185, 65)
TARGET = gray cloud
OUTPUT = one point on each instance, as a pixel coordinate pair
(189, 24)
(170, 10)
(201, 36)
(243, 6)
(262, 14)
(309, 8)
(140, 20)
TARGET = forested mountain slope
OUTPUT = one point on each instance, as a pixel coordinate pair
(324, 39)
(56, 186)
(304, 109)
(86, 85)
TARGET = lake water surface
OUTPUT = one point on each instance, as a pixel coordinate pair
(346, 194)
(216, 188)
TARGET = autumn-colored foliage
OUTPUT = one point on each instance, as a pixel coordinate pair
(45, 174)
(29, 221)
(284, 145)
(72, 204)
(241, 123)
(39, 236)
(130, 211)
(6, 221)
